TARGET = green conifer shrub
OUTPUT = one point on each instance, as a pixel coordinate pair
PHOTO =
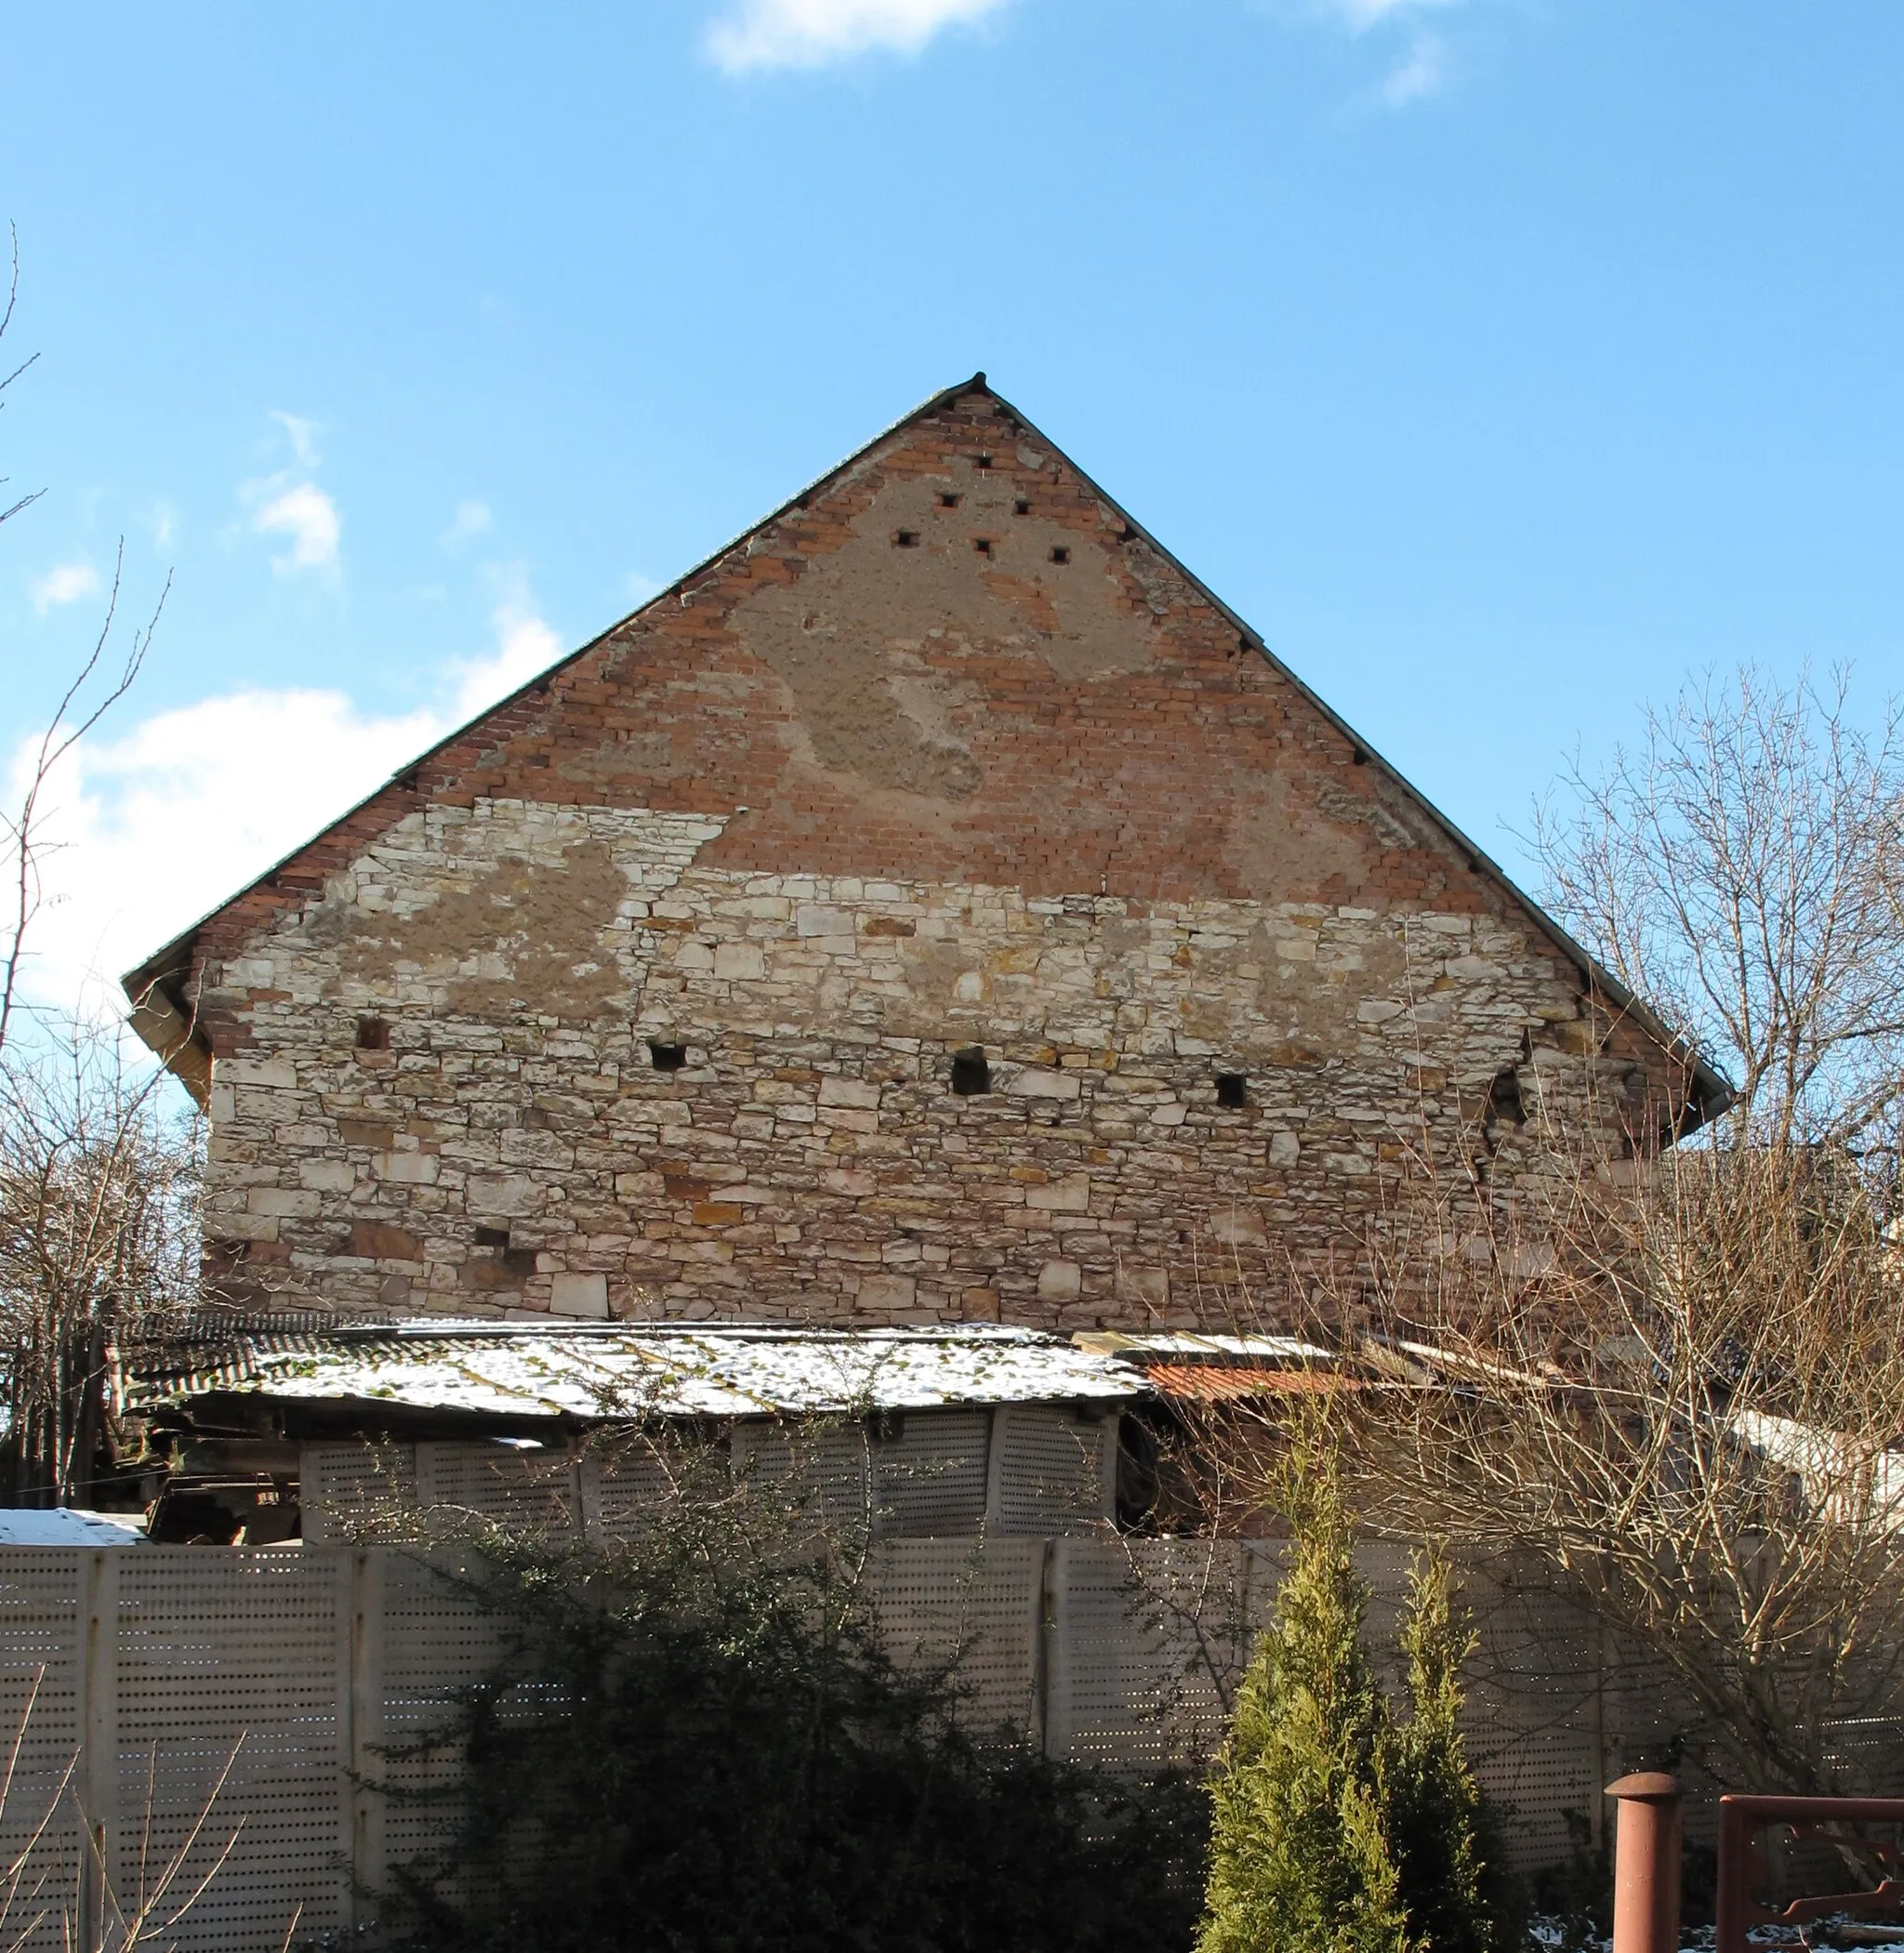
(1299, 1861)
(1441, 1831)
(1341, 1825)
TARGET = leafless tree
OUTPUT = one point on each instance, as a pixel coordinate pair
(1680, 1400)
(103, 679)
(98, 1247)
(1742, 869)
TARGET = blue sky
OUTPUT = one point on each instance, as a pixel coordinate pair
(1499, 359)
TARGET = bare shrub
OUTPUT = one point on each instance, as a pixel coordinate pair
(98, 1247)
(1743, 870)
(1681, 1398)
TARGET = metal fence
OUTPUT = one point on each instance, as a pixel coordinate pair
(259, 1696)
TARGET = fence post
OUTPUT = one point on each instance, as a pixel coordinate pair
(1646, 1864)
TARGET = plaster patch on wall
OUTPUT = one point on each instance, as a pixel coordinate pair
(888, 705)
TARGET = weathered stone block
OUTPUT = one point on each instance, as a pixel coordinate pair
(579, 1295)
(1060, 1282)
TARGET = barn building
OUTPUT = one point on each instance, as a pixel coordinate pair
(937, 907)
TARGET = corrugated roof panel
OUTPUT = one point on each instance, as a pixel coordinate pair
(629, 1370)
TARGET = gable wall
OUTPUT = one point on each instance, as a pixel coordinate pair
(837, 810)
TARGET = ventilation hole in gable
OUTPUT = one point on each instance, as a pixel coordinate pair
(1061, 554)
(970, 1073)
(1126, 534)
(906, 539)
(983, 544)
(948, 500)
(491, 1237)
(982, 462)
(1360, 758)
(1504, 1099)
(1232, 1088)
(1021, 506)
(668, 1057)
(372, 1035)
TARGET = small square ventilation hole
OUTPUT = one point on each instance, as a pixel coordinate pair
(906, 539)
(982, 462)
(970, 1073)
(1061, 554)
(1021, 506)
(1232, 1088)
(1505, 1101)
(948, 500)
(372, 1035)
(983, 544)
(491, 1237)
(668, 1057)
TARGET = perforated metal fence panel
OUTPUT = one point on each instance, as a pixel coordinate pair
(497, 1482)
(1050, 1469)
(1145, 1643)
(979, 1604)
(425, 1639)
(229, 1733)
(318, 1674)
(44, 1616)
(621, 1488)
(350, 1491)
(823, 1472)
(929, 1479)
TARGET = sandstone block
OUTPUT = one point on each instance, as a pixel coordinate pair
(579, 1295)
(409, 1169)
(1033, 1082)
(300, 1204)
(279, 1074)
(881, 1294)
(327, 1176)
(502, 1193)
(1060, 1282)
(837, 1090)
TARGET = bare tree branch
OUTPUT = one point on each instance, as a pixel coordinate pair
(80, 709)
(1743, 871)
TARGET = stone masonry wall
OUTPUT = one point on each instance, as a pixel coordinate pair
(945, 754)
(809, 1159)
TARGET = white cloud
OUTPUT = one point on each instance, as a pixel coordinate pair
(472, 518)
(310, 518)
(65, 583)
(303, 434)
(1420, 72)
(147, 832)
(1361, 15)
(524, 646)
(808, 33)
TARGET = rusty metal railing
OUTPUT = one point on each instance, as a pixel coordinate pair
(1744, 1865)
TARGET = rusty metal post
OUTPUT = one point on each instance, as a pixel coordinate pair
(1646, 1864)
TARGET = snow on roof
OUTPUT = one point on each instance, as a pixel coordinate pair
(68, 1526)
(659, 1370)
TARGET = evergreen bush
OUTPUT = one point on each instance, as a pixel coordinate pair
(1339, 1824)
(1441, 1830)
(1299, 1859)
(696, 1744)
